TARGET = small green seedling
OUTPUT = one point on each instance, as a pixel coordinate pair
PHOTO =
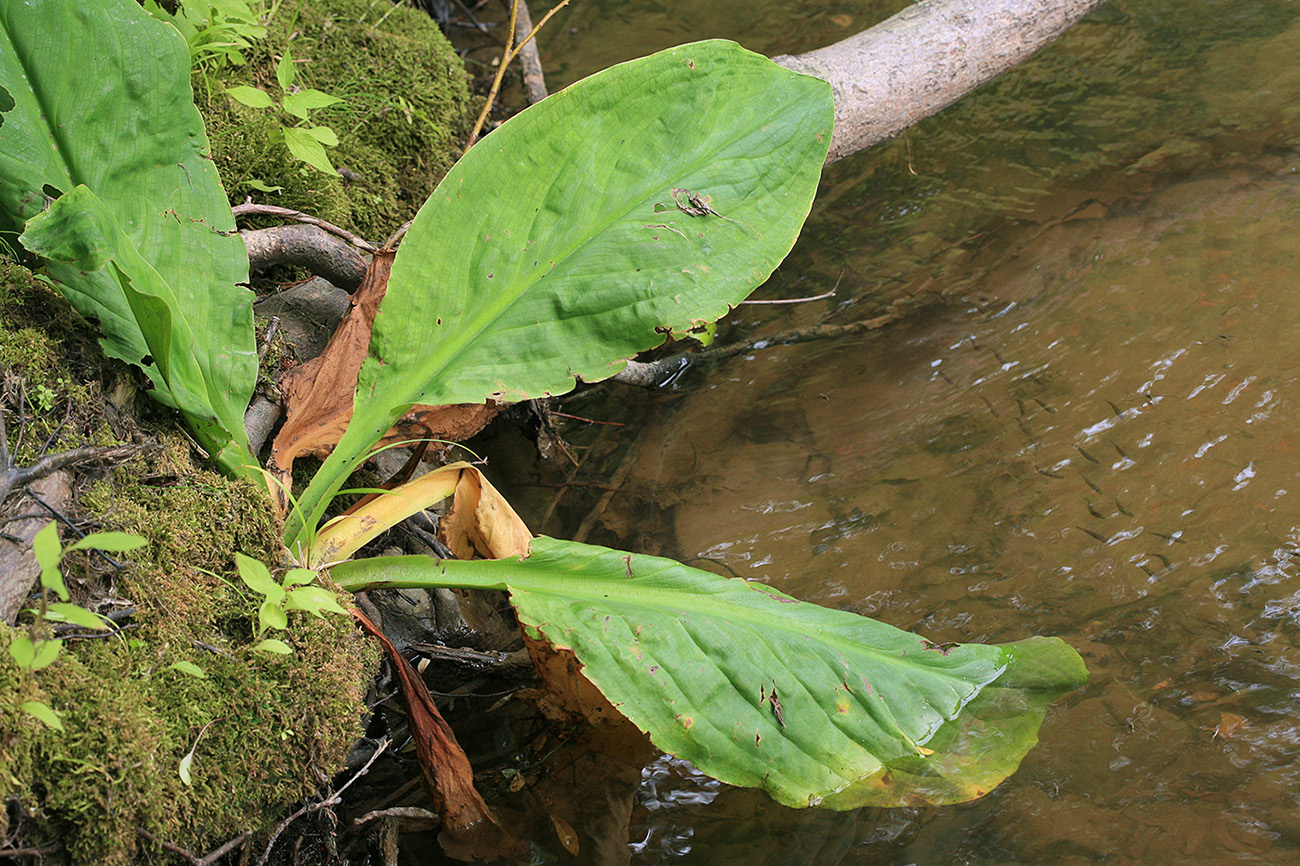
(217, 31)
(296, 593)
(35, 649)
(304, 142)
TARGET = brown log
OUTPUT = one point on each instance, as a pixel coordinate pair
(925, 58)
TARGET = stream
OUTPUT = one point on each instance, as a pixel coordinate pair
(1082, 421)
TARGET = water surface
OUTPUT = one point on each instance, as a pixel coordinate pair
(1082, 423)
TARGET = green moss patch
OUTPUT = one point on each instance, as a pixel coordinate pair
(405, 98)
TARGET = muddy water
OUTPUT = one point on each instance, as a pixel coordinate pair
(1083, 423)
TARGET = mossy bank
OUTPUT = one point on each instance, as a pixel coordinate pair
(272, 727)
(401, 122)
(261, 730)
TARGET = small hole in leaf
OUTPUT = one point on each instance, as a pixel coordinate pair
(146, 360)
(51, 190)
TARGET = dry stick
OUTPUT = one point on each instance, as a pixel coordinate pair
(820, 297)
(496, 81)
(511, 52)
(207, 859)
(250, 209)
(31, 852)
(332, 800)
(654, 374)
(310, 247)
(20, 476)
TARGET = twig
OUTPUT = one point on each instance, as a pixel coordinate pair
(207, 859)
(511, 52)
(655, 374)
(397, 235)
(332, 800)
(250, 209)
(820, 297)
(31, 852)
(586, 420)
(496, 81)
(20, 476)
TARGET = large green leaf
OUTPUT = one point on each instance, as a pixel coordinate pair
(864, 715)
(558, 247)
(97, 95)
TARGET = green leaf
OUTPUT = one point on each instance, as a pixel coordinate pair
(324, 135)
(299, 576)
(42, 712)
(304, 146)
(114, 542)
(34, 655)
(583, 257)
(271, 615)
(284, 71)
(258, 185)
(257, 577)
(314, 600)
(49, 555)
(815, 705)
(187, 668)
(271, 645)
(129, 134)
(183, 770)
(300, 103)
(250, 96)
(77, 615)
(22, 650)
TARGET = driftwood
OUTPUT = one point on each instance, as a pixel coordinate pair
(925, 58)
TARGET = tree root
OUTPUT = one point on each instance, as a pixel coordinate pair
(307, 246)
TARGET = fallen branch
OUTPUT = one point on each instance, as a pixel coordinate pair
(307, 246)
(21, 476)
(529, 60)
(925, 58)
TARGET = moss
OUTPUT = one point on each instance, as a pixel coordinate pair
(264, 729)
(405, 97)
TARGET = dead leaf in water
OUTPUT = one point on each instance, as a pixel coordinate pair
(1228, 724)
(567, 837)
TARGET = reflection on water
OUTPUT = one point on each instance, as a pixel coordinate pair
(1092, 434)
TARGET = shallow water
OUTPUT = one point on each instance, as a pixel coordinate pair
(1082, 424)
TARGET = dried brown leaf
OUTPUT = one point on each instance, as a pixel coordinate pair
(469, 829)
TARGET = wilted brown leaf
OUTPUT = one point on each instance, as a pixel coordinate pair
(318, 394)
(469, 829)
